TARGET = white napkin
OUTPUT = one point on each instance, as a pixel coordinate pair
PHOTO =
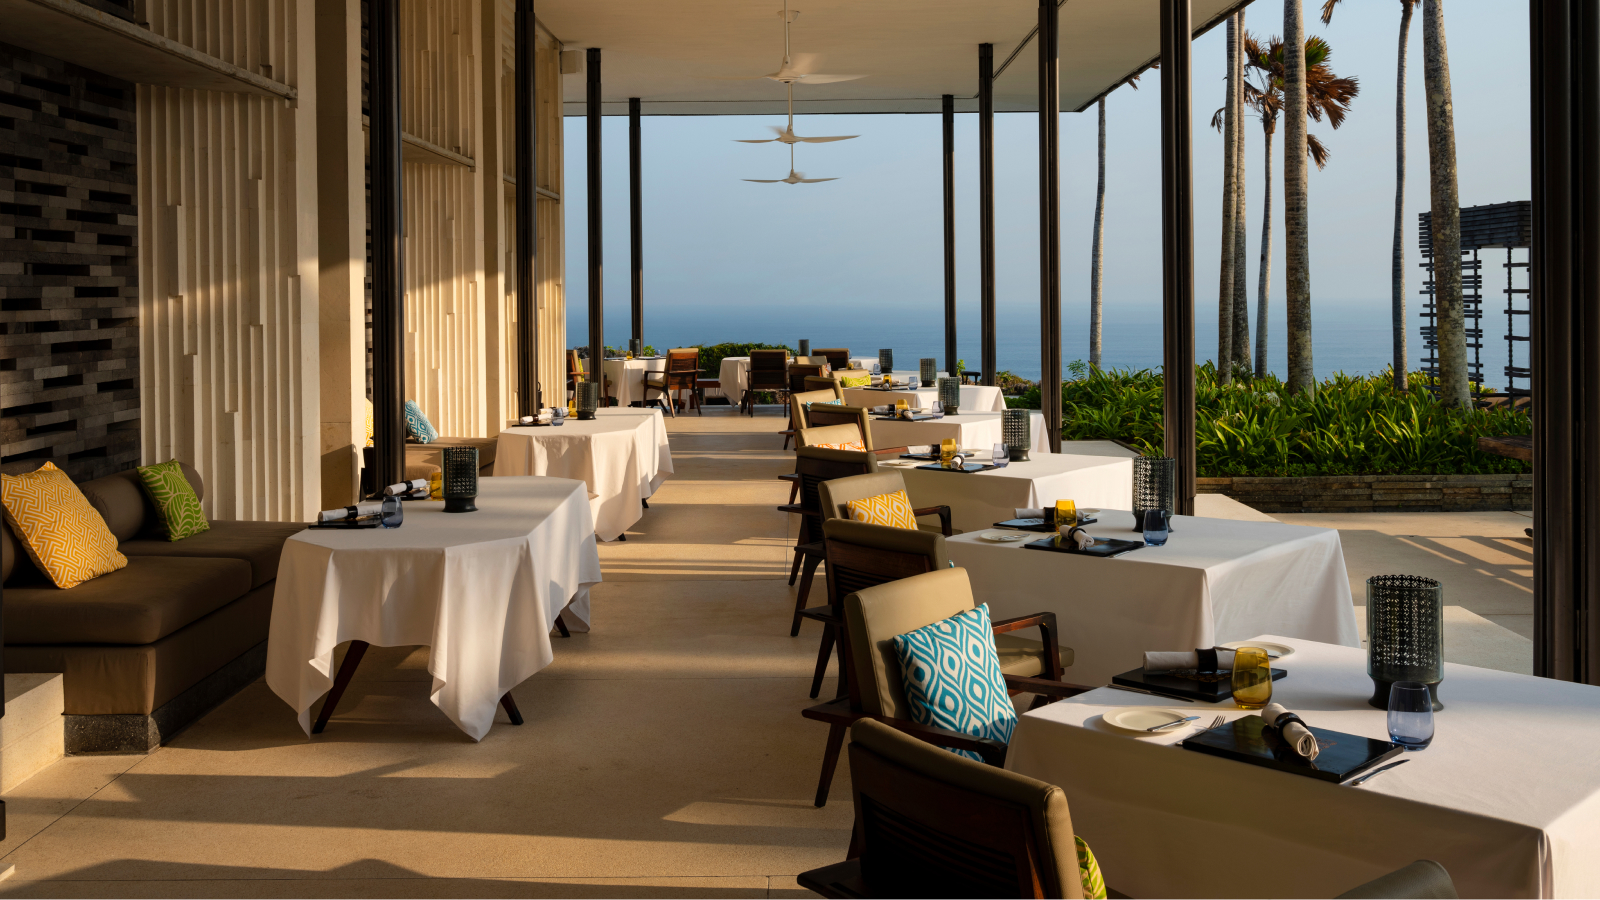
(406, 487)
(1294, 734)
(1028, 513)
(360, 510)
(1080, 536)
(1158, 661)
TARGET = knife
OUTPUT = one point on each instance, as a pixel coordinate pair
(1367, 777)
(1172, 724)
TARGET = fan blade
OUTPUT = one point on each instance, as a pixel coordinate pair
(778, 131)
(756, 141)
(804, 62)
(827, 79)
(764, 180)
(736, 77)
(824, 140)
(814, 180)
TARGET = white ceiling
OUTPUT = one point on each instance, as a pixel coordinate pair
(668, 52)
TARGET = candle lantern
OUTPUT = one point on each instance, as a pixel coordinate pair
(929, 370)
(950, 395)
(1016, 429)
(588, 398)
(460, 479)
(886, 361)
(1405, 634)
(1155, 483)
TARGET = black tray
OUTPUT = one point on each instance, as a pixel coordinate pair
(346, 524)
(965, 467)
(1251, 740)
(1039, 525)
(1102, 547)
(931, 457)
(1176, 686)
(916, 417)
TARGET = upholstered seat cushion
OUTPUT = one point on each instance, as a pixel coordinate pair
(143, 602)
(1021, 656)
(259, 544)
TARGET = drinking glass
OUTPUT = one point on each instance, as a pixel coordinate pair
(435, 485)
(999, 456)
(937, 406)
(901, 404)
(947, 450)
(1066, 513)
(1410, 714)
(1252, 677)
(1155, 527)
(392, 513)
(913, 382)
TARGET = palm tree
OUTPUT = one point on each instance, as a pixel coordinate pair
(1327, 94)
(1241, 293)
(1230, 203)
(1097, 254)
(1397, 275)
(1296, 219)
(1451, 331)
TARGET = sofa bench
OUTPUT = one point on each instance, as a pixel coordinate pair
(149, 648)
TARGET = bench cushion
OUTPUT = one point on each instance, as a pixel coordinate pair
(144, 602)
(257, 543)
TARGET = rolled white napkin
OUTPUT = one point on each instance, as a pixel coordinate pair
(526, 420)
(1159, 661)
(406, 487)
(360, 510)
(1080, 536)
(1028, 513)
(1294, 734)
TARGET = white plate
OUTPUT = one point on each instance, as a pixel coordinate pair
(1141, 718)
(1004, 537)
(1088, 513)
(1276, 651)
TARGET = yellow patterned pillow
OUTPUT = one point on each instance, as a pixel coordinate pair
(892, 509)
(847, 445)
(64, 535)
(863, 381)
(370, 428)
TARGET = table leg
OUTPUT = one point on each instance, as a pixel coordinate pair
(347, 670)
(511, 709)
(562, 627)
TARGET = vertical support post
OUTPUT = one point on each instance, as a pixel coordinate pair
(388, 275)
(1177, 246)
(636, 214)
(527, 215)
(1564, 291)
(986, 209)
(597, 338)
(1050, 220)
(950, 236)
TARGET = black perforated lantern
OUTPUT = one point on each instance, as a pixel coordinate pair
(886, 361)
(1016, 429)
(1155, 486)
(588, 398)
(950, 395)
(805, 348)
(1405, 634)
(636, 346)
(928, 370)
(460, 479)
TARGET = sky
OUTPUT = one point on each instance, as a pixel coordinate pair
(862, 257)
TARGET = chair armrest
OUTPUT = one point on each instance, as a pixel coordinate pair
(943, 512)
(838, 711)
(1049, 633)
(794, 508)
(887, 450)
(1046, 686)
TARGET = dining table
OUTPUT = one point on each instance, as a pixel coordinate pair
(1506, 796)
(1089, 473)
(971, 431)
(974, 397)
(734, 375)
(625, 377)
(1215, 580)
(481, 589)
(621, 455)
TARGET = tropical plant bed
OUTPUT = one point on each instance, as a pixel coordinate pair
(1376, 493)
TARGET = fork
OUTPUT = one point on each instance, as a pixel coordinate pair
(1215, 724)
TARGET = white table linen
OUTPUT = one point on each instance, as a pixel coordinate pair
(1216, 580)
(974, 397)
(972, 431)
(1507, 797)
(627, 377)
(614, 455)
(481, 589)
(1097, 474)
(653, 444)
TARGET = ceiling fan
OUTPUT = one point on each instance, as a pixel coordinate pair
(787, 135)
(796, 67)
(794, 177)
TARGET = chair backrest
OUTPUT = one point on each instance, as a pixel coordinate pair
(875, 615)
(682, 366)
(574, 364)
(798, 374)
(843, 490)
(813, 438)
(767, 370)
(827, 415)
(1422, 880)
(825, 383)
(838, 357)
(861, 555)
(933, 824)
(799, 400)
(814, 465)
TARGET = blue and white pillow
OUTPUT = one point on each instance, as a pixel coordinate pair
(417, 424)
(952, 678)
(834, 402)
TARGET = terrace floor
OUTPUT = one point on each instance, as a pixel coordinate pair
(663, 753)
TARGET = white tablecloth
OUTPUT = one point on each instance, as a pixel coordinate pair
(653, 444)
(1090, 473)
(616, 455)
(1216, 580)
(973, 431)
(627, 377)
(974, 397)
(1507, 797)
(481, 589)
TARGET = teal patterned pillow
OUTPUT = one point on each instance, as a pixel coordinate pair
(175, 500)
(952, 678)
(417, 424)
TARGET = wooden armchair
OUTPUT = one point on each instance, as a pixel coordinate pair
(682, 373)
(837, 357)
(933, 824)
(797, 375)
(874, 616)
(837, 495)
(814, 465)
(767, 374)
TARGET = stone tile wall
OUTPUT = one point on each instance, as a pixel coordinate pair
(1377, 493)
(69, 344)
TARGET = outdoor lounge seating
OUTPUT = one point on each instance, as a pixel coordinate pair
(146, 649)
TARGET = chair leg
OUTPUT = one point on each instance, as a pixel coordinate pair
(347, 670)
(794, 491)
(561, 627)
(844, 670)
(511, 709)
(799, 605)
(823, 653)
(807, 572)
(830, 761)
(794, 571)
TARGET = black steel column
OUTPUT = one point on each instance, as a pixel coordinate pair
(1564, 270)
(388, 276)
(527, 216)
(636, 213)
(950, 236)
(597, 342)
(1050, 220)
(986, 208)
(1177, 246)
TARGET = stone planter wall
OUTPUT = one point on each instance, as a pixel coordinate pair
(1377, 493)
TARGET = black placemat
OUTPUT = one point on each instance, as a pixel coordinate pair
(1103, 547)
(346, 524)
(915, 417)
(1251, 740)
(1039, 525)
(1177, 686)
(965, 467)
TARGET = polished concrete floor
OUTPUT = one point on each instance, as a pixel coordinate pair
(663, 754)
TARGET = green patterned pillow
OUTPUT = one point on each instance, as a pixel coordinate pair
(175, 500)
(1094, 885)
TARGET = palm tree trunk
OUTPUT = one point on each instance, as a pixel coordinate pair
(1097, 254)
(1241, 268)
(1230, 194)
(1296, 225)
(1446, 202)
(1264, 277)
(1398, 253)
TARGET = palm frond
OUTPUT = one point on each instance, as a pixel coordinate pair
(1317, 151)
(1327, 11)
